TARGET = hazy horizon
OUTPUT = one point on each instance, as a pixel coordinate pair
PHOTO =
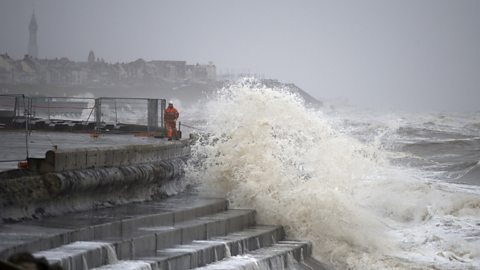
(407, 55)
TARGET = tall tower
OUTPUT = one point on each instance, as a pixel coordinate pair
(91, 57)
(32, 42)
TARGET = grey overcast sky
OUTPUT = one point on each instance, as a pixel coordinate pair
(408, 54)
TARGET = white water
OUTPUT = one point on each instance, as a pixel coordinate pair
(266, 151)
(69, 254)
(127, 265)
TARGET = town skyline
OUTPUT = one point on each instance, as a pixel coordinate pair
(31, 32)
(207, 71)
(405, 55)
(95, 71)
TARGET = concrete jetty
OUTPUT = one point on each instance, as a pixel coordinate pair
(112, 208)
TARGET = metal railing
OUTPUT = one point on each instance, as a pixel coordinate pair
(133, 111)
(102, 111)
(124, 115)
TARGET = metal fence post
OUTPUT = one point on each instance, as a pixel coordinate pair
(26, 115)
(98, 113)
(15, 108)
(163, 105)
(48, 106)
(116, 114)
(152, 108)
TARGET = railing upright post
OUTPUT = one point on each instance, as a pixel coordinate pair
(163, 105)
(116, 114)
(15, 108)
(48, 107)
(98, 113)
(152, 108)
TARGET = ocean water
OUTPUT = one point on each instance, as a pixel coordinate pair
(371, 190)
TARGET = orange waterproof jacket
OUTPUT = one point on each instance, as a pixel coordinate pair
(171, 114)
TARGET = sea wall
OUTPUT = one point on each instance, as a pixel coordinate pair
(98, 157)
(81, 179)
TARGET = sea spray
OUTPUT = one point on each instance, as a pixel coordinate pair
(263, 149)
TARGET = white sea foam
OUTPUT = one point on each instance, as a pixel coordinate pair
(265, 150)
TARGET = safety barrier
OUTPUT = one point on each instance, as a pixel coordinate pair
(98, 157)
(81, 114)
(102, 111)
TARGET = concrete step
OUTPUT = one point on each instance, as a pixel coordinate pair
(312, 264)
(144, 241)
(129, 265)
(282, 255)
(120, 221)
(80, 255)
(200, 253)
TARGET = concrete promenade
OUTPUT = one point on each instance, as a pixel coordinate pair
(111, 207)
(13, 146)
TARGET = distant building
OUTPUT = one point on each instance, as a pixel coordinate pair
(27, 70)
(91, 57)
(95, 71)
(32, 41)
(211, 71)
(201, 72)
(169, 70)
(6, 68)
(63, 71)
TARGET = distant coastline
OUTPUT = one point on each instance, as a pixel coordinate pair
(95, 72)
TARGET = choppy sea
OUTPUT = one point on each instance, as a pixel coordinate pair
(370, 189)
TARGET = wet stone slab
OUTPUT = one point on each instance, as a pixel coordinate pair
(16, 238)
(80, 255)
(120, 221)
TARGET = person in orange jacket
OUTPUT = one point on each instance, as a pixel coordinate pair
(170, 119)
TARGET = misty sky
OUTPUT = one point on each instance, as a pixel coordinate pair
(417, 54)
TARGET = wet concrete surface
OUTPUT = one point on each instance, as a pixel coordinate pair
(13, 144)
(182, 232)
(117, 222)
